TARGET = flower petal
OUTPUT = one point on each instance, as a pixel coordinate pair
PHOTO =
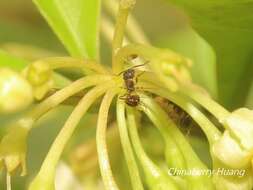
(240, 124)
(229, 152)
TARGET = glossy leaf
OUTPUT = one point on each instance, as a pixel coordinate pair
(75, 22)
(227, 25)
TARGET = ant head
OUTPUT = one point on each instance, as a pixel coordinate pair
(128, 74)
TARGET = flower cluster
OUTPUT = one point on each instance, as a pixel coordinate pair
(230, 147)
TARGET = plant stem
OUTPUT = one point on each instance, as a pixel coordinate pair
(107, 30)
(132, 28)
(65, 93)
(135, 32)
(53, 156)
(212, 133)
(148, 166)
(102, 151)
(65, 62)
(126, 145)
(160, 118)
(217, 110)
(171, 147)
(155, 177)
(124, 8)
(8, 181)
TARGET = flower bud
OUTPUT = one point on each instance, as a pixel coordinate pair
(179, 71)
(234, 151)
(15, 92)
(40, 75)
(228, 151)
(126, 4)
(240, 125)
(13, 146)
(235, 148)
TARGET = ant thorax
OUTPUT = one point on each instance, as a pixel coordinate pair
(130, 85)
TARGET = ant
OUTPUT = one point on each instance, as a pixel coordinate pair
(177, 114)
(132, 100)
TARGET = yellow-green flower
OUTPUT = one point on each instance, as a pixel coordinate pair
(235, 148)
(234, 151)
(13, 146)
(240, 124)
(15, 92)
(40, 76)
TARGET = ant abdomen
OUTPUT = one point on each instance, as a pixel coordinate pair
(177, 114)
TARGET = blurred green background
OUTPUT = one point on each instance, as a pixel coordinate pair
(164, 24)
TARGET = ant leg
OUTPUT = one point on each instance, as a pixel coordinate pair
(139, 88)
(136, 78)
(122, 97)
(188, 132)
(142, 88)
(132, 68)
(142, 106)
(121, 73)
(140, 65)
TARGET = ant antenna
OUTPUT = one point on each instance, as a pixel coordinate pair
(135, 66)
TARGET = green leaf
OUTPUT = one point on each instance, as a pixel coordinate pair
(227, 25)
(7, 60)
(190, 44)
(249, 102)
(37, 35)
(75, 22)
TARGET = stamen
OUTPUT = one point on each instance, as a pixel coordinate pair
(8, 181)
